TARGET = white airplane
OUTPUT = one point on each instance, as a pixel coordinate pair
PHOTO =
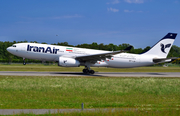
(75, 57)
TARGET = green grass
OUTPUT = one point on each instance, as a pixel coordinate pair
(40, 67)
(95, 92)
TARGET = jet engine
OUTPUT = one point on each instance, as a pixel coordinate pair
(68, 62)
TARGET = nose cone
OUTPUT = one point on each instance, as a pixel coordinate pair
(8, 49)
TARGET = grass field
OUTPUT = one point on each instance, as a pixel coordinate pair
(100, 92)
(152, 96)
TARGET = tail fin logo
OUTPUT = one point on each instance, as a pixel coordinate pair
(164, 47)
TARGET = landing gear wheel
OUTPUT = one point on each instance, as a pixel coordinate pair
(91, 71)
(83, 70)
(24, 63)
(86, 71)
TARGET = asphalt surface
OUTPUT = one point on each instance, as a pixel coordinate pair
(54, 111)
(104, 74)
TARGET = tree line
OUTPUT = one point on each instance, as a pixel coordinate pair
(7, 57)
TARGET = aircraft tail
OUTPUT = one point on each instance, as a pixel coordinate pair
(162, 48)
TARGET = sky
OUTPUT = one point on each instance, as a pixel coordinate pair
(140, 23)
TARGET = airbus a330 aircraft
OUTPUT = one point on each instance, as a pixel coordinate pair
(75, 57)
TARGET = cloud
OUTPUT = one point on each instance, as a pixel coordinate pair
(113, 9)
(114, 2)
(140, 11)
(66, 16)
(109, 33)
(176, 1)
(134, 1)
(47, 18)
(130, 11)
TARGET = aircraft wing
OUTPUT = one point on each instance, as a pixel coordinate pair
(163, 60)
(98, 57)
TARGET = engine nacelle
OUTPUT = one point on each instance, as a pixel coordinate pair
(68, 62)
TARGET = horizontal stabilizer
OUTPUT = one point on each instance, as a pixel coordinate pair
(163, 60)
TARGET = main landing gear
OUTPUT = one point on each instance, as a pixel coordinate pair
(88, 71)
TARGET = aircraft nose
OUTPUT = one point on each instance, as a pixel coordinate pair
(8, 49)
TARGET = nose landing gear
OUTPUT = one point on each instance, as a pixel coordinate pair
(24, 62)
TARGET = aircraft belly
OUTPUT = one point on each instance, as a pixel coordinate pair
(100, 64)
(124, 63)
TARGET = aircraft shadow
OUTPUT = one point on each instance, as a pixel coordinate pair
(76, 73)
(156, 74)
(107, 74)
(131, 73)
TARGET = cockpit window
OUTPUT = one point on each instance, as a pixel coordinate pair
(14, 46)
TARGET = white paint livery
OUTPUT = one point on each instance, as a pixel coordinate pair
(74, 57)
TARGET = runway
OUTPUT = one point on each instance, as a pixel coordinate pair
(102, 74)
(55, 111)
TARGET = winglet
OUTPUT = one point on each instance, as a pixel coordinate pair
(128, 48)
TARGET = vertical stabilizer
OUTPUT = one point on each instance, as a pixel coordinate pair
(162, 48)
